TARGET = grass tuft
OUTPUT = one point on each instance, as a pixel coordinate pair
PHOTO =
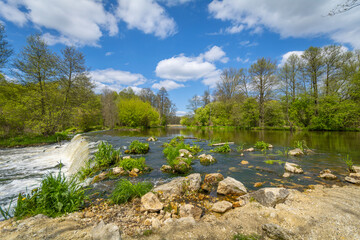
(222, 149)
(126, 191)
(136, 147)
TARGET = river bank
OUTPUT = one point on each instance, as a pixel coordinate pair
(318, 213)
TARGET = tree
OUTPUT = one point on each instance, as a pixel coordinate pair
(135, 113)
(147, 95)
(344, 7)
(206, 98)
(263, 80)
(332, 55)
(194, 103)
(108, 108)
(164, 106)
(314, 69)
(37, 66)
(5, 50)
(228, 86)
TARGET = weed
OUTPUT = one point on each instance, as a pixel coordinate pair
(284, 153)
(274, 161)
(56, 196)
(261, 145)
(130, 163)
(195, 149)
(241, 236)
(6, 212)
(136, 147)
(175, 141)
(147, 232)
(86, 171)
(32, 140)
(349, 163)
(214, 140)
(222, 149)
(106, 155)
(301, 144)
(240, 148)
(125, 191)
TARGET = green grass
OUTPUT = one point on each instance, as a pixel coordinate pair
(130, 163)
(6, 212)
(106, 155)
(274, 161)
(175, 141)
(240, 148)
(222, 149)
(261, 145)
(241, 236)
(172, 157)
(349, 163)
(137, 147)
(301, 144)
(126, 191)
(56, 196)
(22, 141)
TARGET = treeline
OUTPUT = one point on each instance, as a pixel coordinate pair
(319, 90)
(50, 92)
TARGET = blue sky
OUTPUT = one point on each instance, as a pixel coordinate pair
(182, 45)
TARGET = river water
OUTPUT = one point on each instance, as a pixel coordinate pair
(22, 169)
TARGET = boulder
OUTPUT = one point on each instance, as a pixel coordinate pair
(293, 168)
(126, 157)
(106, 232)
(353, 178)
(269, 197)
(181, 167)
(258, 184)
(356, 169)
(249, 149)
(206, 159)
(151, 139)
(151, 203)
(189, 210)
(326, 174)
(99, 177)
(213, 178)
(179, 185)
(117, 170)
(221, 207)
(166, 168)
(274, 231)
(270, 146)
(231, 186)
(155, 223)
(296, 152)
(186, 221)
(185, 153)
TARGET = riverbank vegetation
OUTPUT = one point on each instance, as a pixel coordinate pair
(45, 92)
(316, 90)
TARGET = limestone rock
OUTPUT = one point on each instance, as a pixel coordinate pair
(213, 178)
(326, 174)
(269, 197)
(185, 153)
(221, 207)
(117, 170)
(165, 168)
(99, 177)
(181, 167)
(151, 203)
(356, 169)
(249, 149)
(179, 185)
(286, 175)
(231, 186)
(126, 157)
(189, 210)
(293, 168)
(206, 159)
(274, 231)
(152, 139)
(296, 152)
(106, 232)
(155, 223)
(186, 221)
(353, 178)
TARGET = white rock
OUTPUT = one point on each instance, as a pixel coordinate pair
(326, 174)
(249, 149)
(179, 185)
(151, 203)
(155, 223)
(221, 207)
(105, 232)
(296, 152)
(117, 170)
(231, 186)
(293, 168)
(269, 197)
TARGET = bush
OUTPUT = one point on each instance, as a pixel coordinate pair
(130, 163)
(261, 145)
(222, 149)
(56, 196)
(125, 191)
(137, 147)
(106, 155)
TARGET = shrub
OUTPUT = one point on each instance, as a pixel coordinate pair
(222, 149)
(261, 145)
(125, 191)
(137, 147)
(56, 196)
(106, 155)
(130, 163)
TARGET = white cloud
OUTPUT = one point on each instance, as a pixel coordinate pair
(235, 29)
(168, 85)
(306, 18)
(109, 53)
(239, 59)
(10, 12)
(77, 22)
(247, 43)
(147, 16)
(182, 68)
(181, 113)
(215, 54)
(287, 55)
(115, 79)
(171, 3)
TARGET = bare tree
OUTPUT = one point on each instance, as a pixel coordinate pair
(5, 50)
(228, 86)
(344, 7)
(109, 108)
(194, 103)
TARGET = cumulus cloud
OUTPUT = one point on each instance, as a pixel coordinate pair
(241, 60)
(116, 79)
(287, 55)
(109, 53)
(181, 113)
(147, 16)
(9, 10)
(306, 18)
(172, 3)
(182, 68)
(168, 85)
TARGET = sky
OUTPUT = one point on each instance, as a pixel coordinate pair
(182, 45)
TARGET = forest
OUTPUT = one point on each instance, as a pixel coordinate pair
(317, 90)
(48, 93)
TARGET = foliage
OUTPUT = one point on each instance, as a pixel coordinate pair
(284, 153)
(130, 163)
(222, 149)
(5, 213)
(261, 145)
(273, 115)
(301, 144)
(126, 191)
(186, 121)
(178, 164)
(195, 149)
(175, 141)
(136, 147)
(274, 161)
(32, 140)
(56, 196)
(106, 155)
(349, 163)
(240, 148)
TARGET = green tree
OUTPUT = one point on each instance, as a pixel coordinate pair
(136, 113)
(5, 50)
(274, 115)
(263, 79)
